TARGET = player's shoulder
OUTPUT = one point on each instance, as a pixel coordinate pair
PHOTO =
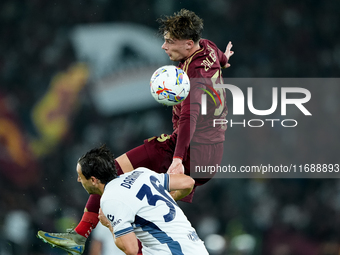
(120, 188)
(132, 179)
(207, 47)
(144, 170)
(205, 43)
(139, 173)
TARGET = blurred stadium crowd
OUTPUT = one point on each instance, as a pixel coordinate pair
(44, 127)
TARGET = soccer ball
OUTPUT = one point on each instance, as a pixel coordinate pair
(169, 85)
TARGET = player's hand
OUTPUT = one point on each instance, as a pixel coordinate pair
(176, 167)
(104, 221)
(228, 53)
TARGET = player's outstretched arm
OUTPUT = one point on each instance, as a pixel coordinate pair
(228, 53)
(180, 185)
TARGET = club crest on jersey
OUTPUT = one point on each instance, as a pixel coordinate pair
(110, 217)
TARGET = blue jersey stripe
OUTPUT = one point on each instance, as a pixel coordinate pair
(123, 231)
(160, 235)
(166, 182)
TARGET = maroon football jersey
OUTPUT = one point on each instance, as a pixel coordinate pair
(204, 70)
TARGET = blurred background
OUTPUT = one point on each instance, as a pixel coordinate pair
(75, 74)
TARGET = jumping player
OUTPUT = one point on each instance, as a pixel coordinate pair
(194, 140)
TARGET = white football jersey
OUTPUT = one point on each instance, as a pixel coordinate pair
(139, 201)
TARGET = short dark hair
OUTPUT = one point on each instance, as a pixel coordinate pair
(98, 162)
(182, 25)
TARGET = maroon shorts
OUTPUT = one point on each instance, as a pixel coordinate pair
(157, 152)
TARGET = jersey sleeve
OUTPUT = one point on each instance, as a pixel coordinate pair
(162, 177)
(165, 181)
(120, 214)
(223, 58)
(186, 128)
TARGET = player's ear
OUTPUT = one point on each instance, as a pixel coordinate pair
(189, 44)
(93, 180)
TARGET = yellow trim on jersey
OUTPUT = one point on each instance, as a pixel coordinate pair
(188, 61)
(150, 139)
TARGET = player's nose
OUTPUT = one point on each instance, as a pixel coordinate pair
(164, 46)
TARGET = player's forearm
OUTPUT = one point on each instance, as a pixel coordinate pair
(126, 250)
(127, 243)
(183, 139)
(186, 128)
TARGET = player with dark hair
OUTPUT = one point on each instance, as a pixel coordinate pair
(133, 206)
(96, 162)
(194, 141)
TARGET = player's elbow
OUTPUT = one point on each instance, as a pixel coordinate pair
(180, 182)
(190, 183)
(131, 251)
(187, 183)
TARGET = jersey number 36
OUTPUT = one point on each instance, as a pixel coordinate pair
(145, 191)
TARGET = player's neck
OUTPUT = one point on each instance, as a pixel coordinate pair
(190, 52)
(101, 188)
(195, 48)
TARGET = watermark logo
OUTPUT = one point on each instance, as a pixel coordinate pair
(204, 111)
(239, 104)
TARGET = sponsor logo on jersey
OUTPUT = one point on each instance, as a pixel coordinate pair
(110, 217)
(193, 236)
(116, 222)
